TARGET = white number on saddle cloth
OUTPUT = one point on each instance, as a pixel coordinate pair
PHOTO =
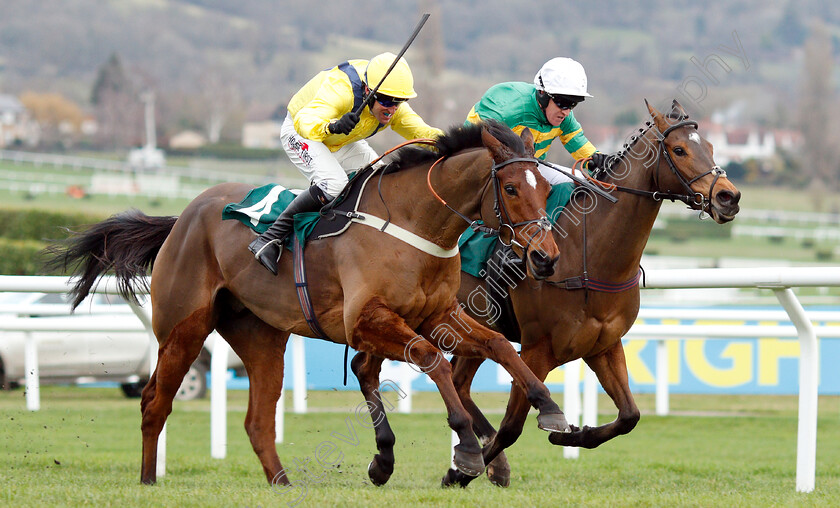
(263, 206)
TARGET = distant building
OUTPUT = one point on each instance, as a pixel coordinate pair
(261, 134)
(187, 140)
(16, 125)
(742, 143)
(731, 143)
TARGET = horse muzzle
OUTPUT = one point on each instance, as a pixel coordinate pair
(724, 206)
(540, 265)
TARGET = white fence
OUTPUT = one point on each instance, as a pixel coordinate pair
(777, 280)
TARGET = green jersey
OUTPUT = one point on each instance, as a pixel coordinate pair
(515, 104)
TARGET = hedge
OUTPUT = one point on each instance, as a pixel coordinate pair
(22, 257)
(40, 225)
(25, 234)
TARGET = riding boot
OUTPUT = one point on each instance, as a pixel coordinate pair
(268, 247)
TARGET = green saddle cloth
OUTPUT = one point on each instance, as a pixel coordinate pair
(263, 205)
(476, 249)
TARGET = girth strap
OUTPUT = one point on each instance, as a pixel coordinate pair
(597, 285)
(303, 291)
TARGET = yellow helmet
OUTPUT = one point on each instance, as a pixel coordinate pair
(399, 83)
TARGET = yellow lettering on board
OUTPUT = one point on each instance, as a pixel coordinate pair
(558, 375)
(740, 373)
(769, 353)
(636, 368)
(673, 348)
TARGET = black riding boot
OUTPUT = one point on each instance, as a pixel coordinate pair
(268, 247)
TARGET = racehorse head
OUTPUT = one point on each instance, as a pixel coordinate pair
(521, 194)
(693, 169)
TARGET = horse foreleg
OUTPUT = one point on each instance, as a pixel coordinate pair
(176, 354)
(379, 330)
(463, 373)
(460, 334)
(261, 349)
(366, 367)
(611, 369)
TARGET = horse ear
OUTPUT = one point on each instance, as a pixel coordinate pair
(677, 107)
(658, 119)
(528, 139)
(492, 143)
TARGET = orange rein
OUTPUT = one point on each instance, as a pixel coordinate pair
(606, 186)
(420, 141)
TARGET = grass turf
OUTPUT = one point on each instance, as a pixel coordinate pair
(83, 448)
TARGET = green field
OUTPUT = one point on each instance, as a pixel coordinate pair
(83, 448)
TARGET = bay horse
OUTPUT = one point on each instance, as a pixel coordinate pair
(593, 298)
(374, 292)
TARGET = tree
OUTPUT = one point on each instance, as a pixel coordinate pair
(790, 30)
(110, 80)
(820, 156)
(59, 118)
(117, 108)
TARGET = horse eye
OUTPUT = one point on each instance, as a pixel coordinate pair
(679, 151)
(510, 189)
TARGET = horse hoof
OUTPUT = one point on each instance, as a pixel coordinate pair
(450, 478)
(471, 464)
(498, 471)
(377, 476)
(554, 422)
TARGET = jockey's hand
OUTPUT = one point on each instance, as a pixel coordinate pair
(344, 124)
(601, 161)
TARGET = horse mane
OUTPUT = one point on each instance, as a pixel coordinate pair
(456, 139)
(674, 114)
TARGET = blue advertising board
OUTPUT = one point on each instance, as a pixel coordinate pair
(763, 365)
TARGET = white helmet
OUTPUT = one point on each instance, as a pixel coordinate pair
(562, 76)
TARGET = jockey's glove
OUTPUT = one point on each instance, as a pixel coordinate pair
(344, 124)
(601, 161)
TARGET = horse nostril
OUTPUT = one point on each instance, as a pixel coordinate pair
(538, 257)
(728, 198)
(543, 264)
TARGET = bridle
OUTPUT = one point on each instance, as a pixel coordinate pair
(499, 209)
(693, 199)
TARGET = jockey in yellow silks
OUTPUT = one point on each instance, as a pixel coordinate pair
(325, 138)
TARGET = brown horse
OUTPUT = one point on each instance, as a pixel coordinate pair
(575, 314)
(371, 291)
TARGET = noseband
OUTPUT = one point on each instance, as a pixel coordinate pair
(502, 215)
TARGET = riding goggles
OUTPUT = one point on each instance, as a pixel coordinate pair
(387, 101)
(564, 102)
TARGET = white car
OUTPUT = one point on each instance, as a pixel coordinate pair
(89, 357)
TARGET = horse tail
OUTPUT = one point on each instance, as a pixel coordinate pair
(126, 243)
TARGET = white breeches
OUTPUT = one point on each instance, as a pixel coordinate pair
(328, 170)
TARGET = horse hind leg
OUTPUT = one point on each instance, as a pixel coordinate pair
(611, 369)
(367, 367)
(177, 352)
(261, 349)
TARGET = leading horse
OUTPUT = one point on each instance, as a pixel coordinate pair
(593, 299)
(373, 292)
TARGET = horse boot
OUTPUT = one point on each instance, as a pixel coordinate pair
(268, 247)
